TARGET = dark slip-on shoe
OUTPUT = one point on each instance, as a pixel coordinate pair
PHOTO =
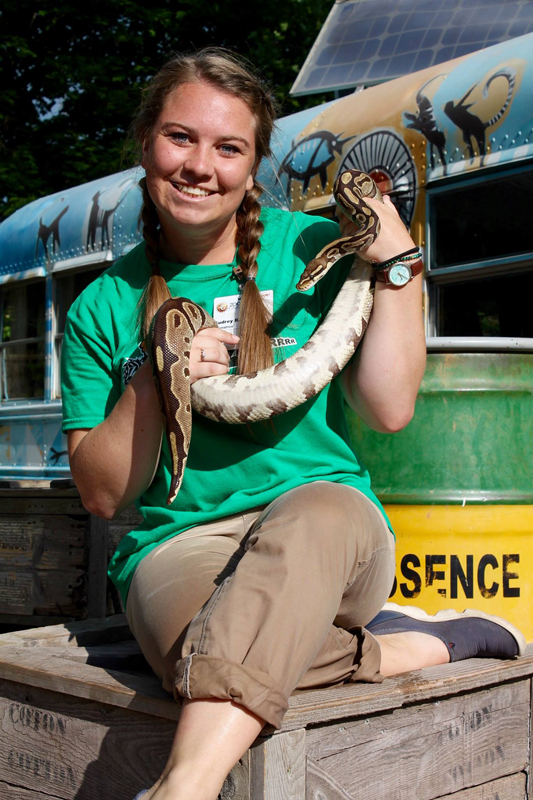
(466, 634)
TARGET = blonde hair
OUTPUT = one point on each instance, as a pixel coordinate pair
(230, 74)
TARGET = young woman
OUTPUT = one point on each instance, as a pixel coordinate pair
(262, 574)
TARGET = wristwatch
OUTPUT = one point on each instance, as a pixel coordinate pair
(400, 272)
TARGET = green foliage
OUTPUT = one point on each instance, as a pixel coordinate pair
(72, 74)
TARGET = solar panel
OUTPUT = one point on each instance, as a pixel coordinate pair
(364, 42)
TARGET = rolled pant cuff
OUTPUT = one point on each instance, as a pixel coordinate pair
(201, 676)
(367, 666)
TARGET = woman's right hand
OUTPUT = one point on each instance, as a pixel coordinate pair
(209, 354)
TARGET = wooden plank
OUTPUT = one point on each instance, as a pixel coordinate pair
(33, 621)
(277, 770)
(41, 592)
(12, 483)
(44, 541)
(17, 592)
(38, 485)
(333, 738)
(97, 570)
(61, 591)
(74, 634)
(237, 784)
(69, 747)
(339, 702)
(124, 651)
(63, 483)
(27, 666)
(59, 488)
(122, 655)
(428, 750)
(511, 788)
(43, 561)
(42, 504)
(321, 786)
(8, 792)
(307, 708)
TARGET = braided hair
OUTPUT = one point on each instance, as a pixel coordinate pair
(156, 291)
(225, 71)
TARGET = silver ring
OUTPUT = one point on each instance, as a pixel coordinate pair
(202, 355)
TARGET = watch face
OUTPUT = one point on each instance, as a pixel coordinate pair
(400, 274)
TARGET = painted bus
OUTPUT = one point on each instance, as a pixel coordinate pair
(453, 146)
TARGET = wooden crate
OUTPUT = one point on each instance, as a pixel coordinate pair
(82, 717)
(54, 554)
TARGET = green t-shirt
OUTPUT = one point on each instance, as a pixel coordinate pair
(231, 468)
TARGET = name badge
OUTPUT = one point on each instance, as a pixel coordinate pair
(226, 310)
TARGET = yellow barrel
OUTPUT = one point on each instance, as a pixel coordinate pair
(457, 484)
(465, 557)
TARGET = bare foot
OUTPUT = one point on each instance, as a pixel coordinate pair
(403, 652)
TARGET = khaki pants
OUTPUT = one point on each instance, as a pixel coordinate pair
(256, 605)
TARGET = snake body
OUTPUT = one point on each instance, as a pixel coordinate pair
(260, 395)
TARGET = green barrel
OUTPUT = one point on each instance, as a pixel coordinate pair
(471, 438)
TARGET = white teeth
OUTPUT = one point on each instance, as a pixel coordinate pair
(195, 190)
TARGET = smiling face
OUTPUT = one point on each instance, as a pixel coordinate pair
(199, 161)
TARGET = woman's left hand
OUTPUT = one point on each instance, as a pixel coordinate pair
(393, 239)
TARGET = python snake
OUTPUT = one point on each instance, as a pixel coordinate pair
(260, 395)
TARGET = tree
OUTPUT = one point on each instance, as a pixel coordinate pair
(72, 74)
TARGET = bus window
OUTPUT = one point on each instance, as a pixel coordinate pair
(490, 218)
(22, 309)
(480, 271)
(67, 288)
(500, 306)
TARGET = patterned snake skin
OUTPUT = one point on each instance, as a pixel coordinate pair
(260, 395)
